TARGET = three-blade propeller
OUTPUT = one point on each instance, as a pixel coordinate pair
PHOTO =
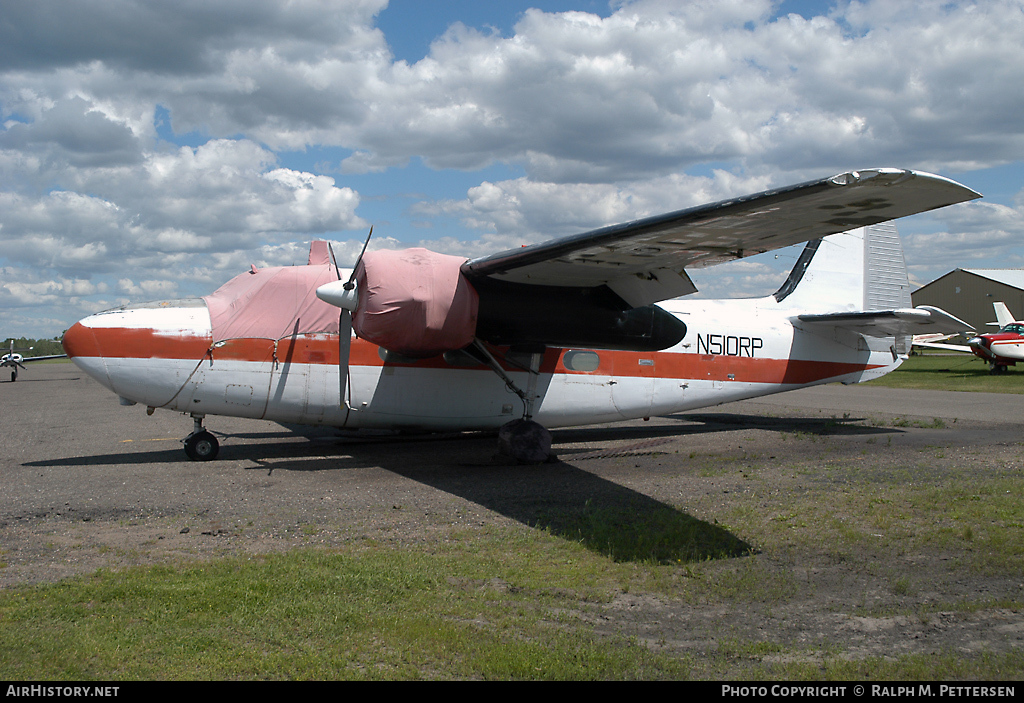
(345, 295)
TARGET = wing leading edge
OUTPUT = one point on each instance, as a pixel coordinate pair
(644, 261)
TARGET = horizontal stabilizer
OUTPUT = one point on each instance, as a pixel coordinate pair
(891, 323)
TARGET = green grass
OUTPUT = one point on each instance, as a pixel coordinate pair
(371, 612)
(952, 372)
(517, 602)
(980, 520)
(933, 667)
(488, 603)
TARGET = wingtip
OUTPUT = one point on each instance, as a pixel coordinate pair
(895, 176)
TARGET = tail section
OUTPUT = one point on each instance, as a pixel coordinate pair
(1003, 316)
(854, 271)
(857, 282)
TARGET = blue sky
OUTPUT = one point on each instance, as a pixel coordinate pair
(152, 151)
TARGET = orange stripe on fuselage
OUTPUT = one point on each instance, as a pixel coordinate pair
(132, 343)
(323, 349)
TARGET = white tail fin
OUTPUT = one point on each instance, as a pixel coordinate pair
(862, 269)
(1003, 316)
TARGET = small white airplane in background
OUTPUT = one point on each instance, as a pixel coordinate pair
(572, 331)
(14, 360)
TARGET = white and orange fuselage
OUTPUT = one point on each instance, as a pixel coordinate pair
(561, 333)
(164, 355)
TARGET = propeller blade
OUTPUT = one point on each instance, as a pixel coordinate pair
(344, 347)
(352, 278)
(337, 271)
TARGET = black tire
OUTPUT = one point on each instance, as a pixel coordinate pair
(202, 446)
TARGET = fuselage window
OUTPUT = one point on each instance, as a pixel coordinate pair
(585, 361)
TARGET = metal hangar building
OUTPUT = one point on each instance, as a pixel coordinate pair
(969, 294)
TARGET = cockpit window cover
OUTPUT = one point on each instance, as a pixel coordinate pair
(273, 303)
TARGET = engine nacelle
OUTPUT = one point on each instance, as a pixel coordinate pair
(414, 302)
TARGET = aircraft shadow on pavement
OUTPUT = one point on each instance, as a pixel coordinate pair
(813, 425)
(578, 505)
(24, 378)
(559, 497)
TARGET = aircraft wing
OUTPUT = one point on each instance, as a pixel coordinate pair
(934, 340)
(945, 347)
(644, 261)
(11, 361)
(891, 323)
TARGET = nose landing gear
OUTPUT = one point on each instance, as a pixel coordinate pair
(201, 445)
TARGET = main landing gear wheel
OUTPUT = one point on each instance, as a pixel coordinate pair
(201, 446)
(526, 442)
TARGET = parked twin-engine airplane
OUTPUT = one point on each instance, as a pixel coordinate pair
(568, 332)
(1000, 349)
(14, 360)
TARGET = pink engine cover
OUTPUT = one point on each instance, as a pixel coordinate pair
(414, 302)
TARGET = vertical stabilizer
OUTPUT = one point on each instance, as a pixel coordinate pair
(862, 269)
(1003, 316)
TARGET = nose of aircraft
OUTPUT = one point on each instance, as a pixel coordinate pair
(126, 348)
(83, 348)
(79, 341)
(980, 345)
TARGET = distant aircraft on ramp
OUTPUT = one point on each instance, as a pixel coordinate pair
(1003, 348)
(14, 360)
(1000, 349)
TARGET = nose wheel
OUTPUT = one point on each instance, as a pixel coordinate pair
(201, 445)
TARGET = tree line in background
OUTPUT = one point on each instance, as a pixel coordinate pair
(39, 347)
